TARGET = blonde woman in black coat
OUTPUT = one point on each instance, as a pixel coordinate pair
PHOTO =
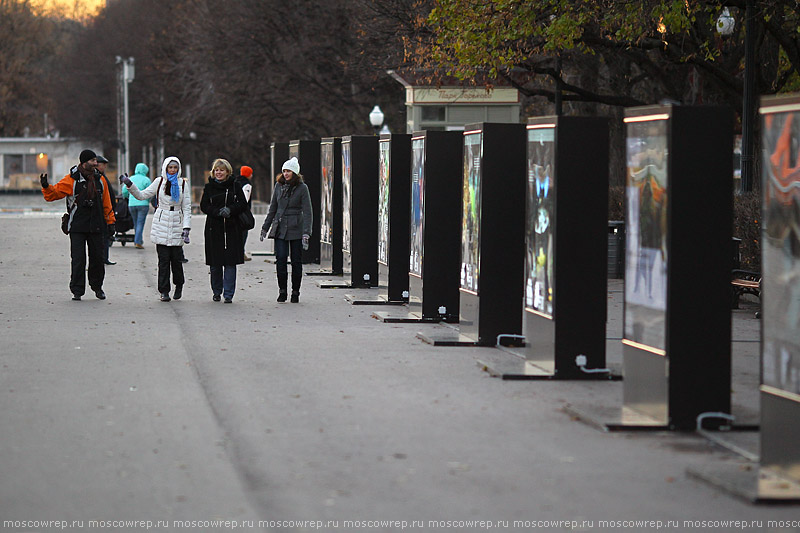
(290, 218)
(222, 201)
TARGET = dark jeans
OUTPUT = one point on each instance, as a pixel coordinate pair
(169, 257)
(223, 280)
(282, 251)
(97, 270)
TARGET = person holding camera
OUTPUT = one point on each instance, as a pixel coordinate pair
(290, 218)
(90, 218)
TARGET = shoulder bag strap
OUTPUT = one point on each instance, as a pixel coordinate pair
(158, 190)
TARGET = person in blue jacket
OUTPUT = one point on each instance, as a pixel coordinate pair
(138, 208)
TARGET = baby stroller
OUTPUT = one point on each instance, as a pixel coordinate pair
(124, 221)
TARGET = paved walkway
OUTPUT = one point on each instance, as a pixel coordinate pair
(130, 409)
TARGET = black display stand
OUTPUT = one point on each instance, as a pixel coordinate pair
(330, 222)
(565, 253)
(677, 321)
(435, 228)
(394, 204)
(776, 476)
(307, 153)
(359, 213)
(492, 236)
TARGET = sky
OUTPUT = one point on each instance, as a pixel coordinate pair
(71, 8)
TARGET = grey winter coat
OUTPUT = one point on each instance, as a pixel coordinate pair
(289, 212)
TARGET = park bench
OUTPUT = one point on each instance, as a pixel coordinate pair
(744, 282)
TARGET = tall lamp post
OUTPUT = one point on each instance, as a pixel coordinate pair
(725, 26)
(125, 76)
(749, 98)
(376, 119)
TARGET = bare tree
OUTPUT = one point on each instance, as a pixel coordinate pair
(236, 75)
(26, 41)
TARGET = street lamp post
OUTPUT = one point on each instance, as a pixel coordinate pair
(749, 98)
(126, 75)
(376, 119)
(725, 26)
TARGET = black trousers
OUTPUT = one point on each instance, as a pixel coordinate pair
(79, 242)
(106, 243)
(283, 251)
(169, 256)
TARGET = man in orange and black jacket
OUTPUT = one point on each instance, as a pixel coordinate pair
(90, 212)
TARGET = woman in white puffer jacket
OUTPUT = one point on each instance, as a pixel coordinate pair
(171, 222)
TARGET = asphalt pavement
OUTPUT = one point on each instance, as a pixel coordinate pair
(131, 414)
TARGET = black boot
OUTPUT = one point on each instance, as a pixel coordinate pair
(283, 278)
(178, 292)
(297, 279)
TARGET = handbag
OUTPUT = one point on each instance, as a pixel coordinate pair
(246, 220)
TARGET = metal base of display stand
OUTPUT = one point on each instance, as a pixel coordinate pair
(389, 317)
(323, 273)
(517, 367)
(332, 284)
(746, 480)
(749, 482)
(608, 418)
(270, 258)
(742, 439)
(615, 418)
(378, 300)
(518, 370)
(446, 339)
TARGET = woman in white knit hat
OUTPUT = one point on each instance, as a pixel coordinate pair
(290, 218)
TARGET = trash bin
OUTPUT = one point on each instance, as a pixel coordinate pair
(616, 249)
